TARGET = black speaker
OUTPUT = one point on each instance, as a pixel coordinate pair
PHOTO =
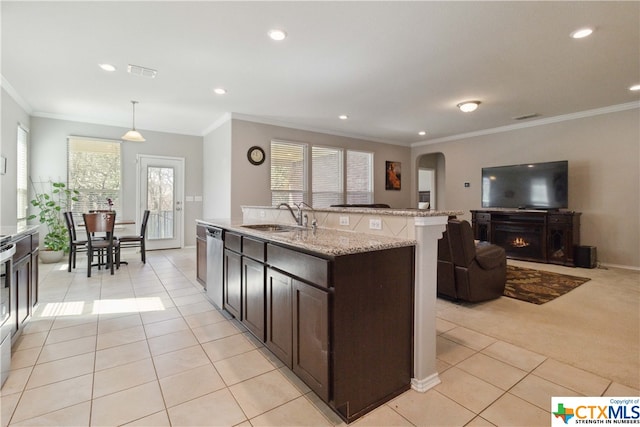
(585, 256)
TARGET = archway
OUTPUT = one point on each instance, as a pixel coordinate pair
(431, 181)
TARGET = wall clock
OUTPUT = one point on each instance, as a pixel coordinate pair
(256, 155)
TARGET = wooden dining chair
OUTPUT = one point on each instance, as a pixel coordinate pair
(137, 240)
(75, 245)
(102, 222)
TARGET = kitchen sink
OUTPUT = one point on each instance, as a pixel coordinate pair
(274, 228)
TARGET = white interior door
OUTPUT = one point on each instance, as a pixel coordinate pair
(161, 190)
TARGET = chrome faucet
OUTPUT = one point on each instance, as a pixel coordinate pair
(305, 221)
(298, 217)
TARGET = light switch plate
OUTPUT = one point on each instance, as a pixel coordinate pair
(344, 220)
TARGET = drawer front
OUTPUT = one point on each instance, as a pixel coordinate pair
(23, 247)
(307, 267)
(559, 219)
(483, 217)
(253, 248)
(35, 241)
(233, 241)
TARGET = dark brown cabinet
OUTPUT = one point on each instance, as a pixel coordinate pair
(253, 293)
(311, 337)
(232, 295)
(24, 284)
(298, 329)
(343, 324)
(279, 316)
(201, 254)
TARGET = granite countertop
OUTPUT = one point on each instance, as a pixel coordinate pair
(15, 231)
(377, 211)
(322, 241)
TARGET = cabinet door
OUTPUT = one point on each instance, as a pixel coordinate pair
(233, 283)
(22, 277)
(35, 286)
(279, 326)
(311, 337)
(201, 261)
(253, 296)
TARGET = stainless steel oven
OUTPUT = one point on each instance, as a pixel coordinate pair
(7, 249)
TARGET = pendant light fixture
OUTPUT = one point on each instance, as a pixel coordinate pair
(133, 134)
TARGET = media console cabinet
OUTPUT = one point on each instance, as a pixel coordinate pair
(530, 235)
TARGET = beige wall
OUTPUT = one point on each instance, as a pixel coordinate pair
(216, 173)
(49, 160)
(250, 185)
(12, 114)
(604, 179)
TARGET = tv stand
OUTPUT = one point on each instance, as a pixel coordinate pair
(530, 235)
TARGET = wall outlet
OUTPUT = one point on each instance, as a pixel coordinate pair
(344, 220)
(263, 214)
(375, 224)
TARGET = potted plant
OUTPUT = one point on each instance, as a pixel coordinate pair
(52, 203)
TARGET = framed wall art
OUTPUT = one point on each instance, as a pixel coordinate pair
(393, 176)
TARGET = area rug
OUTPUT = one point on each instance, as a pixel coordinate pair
(538, 287)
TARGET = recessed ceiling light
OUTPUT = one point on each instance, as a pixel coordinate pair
(220, 91)
(107, 67)
(581, 33)
(422, 133)
(635, 87)
(277, 35)
(343, 117)
(468, 106)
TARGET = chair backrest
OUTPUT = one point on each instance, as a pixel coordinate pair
(71, 227)
(100, 222)
(463, 248)
(145, 219)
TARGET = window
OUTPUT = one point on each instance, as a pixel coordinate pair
(359, 177)
(288, 172)
(330, 173)
(94, 168)
(326, 180)
(22, 203)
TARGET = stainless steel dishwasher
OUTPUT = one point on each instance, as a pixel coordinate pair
(215, 248)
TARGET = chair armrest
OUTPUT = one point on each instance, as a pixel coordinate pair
(490, 256)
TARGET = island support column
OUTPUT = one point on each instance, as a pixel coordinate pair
(428, 230)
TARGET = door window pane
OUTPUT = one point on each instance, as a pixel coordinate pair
(160, 202)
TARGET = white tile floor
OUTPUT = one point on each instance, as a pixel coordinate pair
(144, 347)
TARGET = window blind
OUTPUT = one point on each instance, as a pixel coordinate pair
(95, 170)
(327, 177)
(288, 172)
(359, 177)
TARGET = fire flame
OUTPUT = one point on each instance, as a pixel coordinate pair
(519, 242)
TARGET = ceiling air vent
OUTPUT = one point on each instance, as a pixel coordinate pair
(137, 70)
(527, 116)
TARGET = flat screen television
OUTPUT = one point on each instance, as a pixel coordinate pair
(528, 186)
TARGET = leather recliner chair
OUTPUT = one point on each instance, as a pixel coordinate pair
(479, 271)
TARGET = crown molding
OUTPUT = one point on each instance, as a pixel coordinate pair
(13, 93)
(533, 123)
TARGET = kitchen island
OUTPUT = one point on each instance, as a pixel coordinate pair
(336, 307)
(359, 244)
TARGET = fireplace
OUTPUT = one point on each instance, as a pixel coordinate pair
(520, 241)
(544, 236)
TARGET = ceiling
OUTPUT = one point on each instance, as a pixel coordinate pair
(395, 68)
